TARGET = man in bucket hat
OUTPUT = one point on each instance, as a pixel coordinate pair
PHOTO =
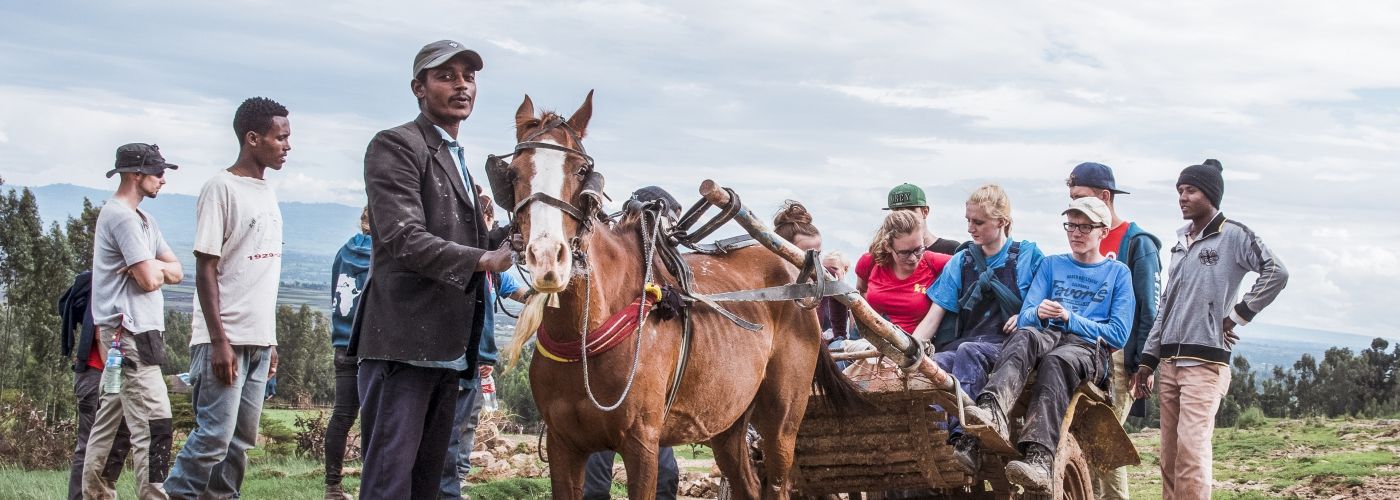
(131, 262)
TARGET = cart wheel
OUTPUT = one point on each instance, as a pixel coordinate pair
(1071, 480)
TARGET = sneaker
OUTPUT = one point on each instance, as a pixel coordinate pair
(337, 492)
(988, 412)
(1033, 471)
(968, 451)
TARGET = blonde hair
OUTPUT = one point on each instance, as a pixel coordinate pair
(897, 224)
(364, 220)
(838, 257)
(995, 202)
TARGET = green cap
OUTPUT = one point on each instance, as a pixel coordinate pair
(906, 196)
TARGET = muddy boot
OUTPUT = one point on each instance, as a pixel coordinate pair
(337, 492)
(988, 412)
(968, 451)
(1033, 472)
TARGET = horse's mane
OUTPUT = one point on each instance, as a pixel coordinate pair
(533, 122)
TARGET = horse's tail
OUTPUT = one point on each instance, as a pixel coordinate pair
(525, 326)
(843, 395)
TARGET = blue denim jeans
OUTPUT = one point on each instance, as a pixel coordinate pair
(214, 458)
(459, 449)
(969, 362)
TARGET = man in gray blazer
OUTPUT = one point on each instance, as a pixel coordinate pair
(424, 302)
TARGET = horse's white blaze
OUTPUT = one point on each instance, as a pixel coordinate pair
(547, 221)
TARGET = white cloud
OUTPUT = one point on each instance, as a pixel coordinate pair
(514, 46)
(832, 105)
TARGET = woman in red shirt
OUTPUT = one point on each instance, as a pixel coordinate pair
(895, 275)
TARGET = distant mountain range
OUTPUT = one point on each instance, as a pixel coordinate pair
(313, 232)
(308, 228)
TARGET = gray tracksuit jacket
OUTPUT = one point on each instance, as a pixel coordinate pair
(1203, 281)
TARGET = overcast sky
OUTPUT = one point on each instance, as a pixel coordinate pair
(831, 103)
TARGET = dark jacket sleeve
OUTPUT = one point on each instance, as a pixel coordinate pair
(393, 178)
(1147, 273)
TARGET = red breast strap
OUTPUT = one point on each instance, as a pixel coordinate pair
(608, 335)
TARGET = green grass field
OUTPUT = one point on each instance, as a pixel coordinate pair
(1278, 459)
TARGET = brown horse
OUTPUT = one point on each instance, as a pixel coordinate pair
(734, 376)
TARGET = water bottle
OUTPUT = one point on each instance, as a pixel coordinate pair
(488, 393)
(112, 372)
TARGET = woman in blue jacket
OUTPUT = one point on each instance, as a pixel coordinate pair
(348, 274)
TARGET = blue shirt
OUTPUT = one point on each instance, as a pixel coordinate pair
(509, 285)
(456, 149)
(948, 287)
(1099, 298)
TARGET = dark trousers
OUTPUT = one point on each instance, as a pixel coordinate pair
(86, 388)
(1061, 361)
(405, 425)
(347, 403)
(598, 475)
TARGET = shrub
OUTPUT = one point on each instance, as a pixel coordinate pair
(513, 389)
(1251, 418)
(1228, 414)
(30, 440)
(281, 441)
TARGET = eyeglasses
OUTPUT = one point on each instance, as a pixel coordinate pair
(1082, 228)
(907, 254)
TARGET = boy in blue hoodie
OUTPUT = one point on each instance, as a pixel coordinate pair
(349, 271)
(1079, 306)
(1131, 245)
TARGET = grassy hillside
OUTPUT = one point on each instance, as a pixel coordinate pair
(1273, 459)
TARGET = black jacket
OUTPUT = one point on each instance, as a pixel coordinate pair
(422, 301)
(74, 311)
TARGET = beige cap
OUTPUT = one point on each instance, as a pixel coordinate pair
(1091, 207)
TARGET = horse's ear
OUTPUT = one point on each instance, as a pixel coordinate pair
(579, 121)
(524, 114)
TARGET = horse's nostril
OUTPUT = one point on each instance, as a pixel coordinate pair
(563, 252)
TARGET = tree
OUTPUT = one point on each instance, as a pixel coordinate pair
(37, 269)
(177, 342)
(305, 369)
(81, 230)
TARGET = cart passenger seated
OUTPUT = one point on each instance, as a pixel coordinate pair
(976, 301)
(1078, 308)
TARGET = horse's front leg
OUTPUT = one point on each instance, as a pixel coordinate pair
(565, 469)
(640, 458)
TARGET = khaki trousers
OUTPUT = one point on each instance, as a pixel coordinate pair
(145, 404)
(1189, 396)
(1113, 484)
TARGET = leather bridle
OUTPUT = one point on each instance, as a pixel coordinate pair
(590, 195)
